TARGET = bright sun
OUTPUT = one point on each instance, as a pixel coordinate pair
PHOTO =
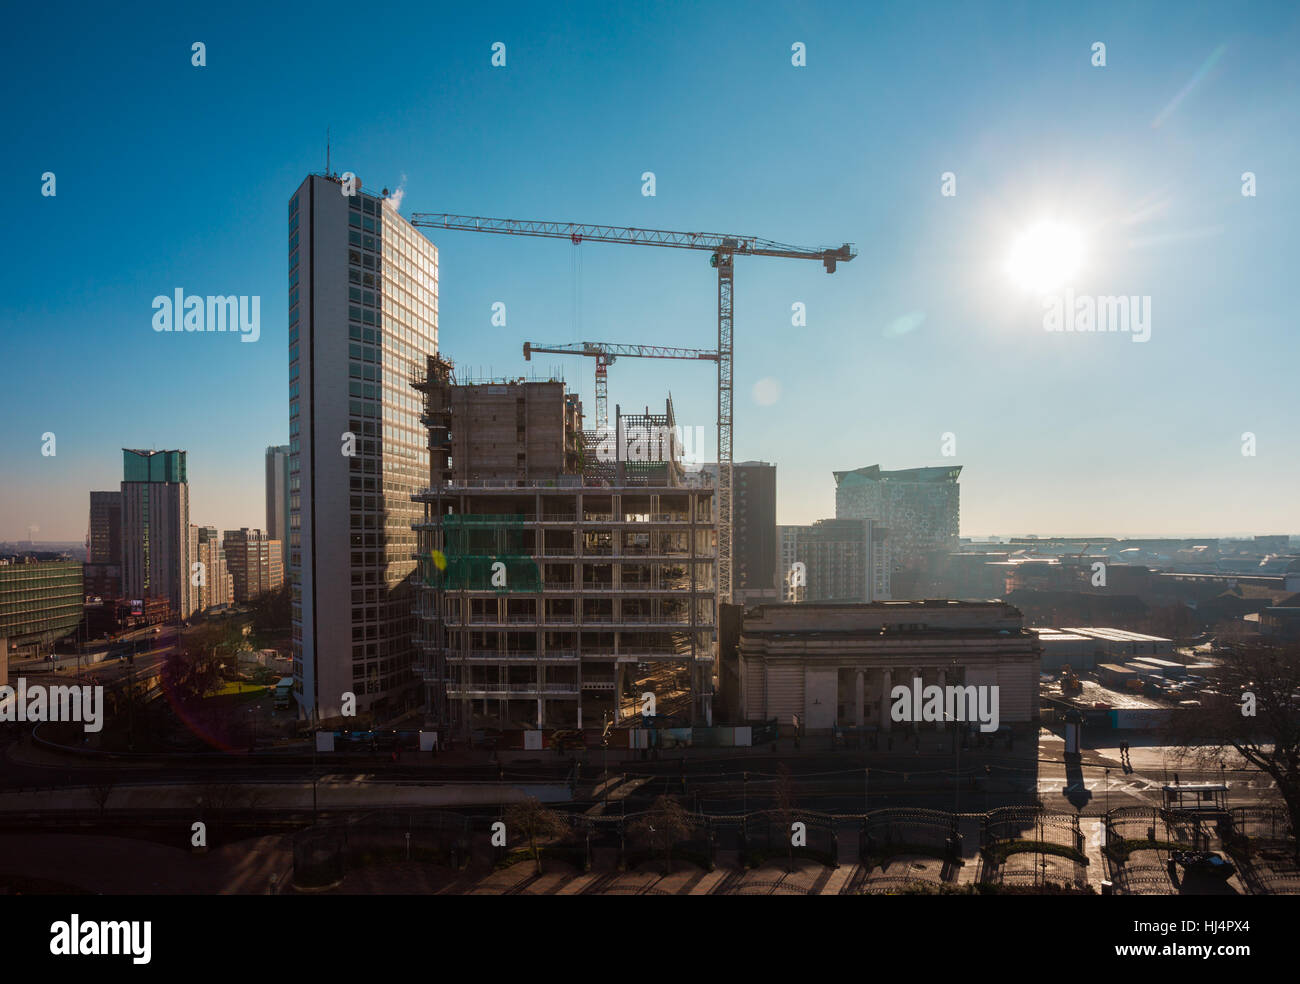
(1045, 256)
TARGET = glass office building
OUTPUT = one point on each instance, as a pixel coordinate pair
(363, 316)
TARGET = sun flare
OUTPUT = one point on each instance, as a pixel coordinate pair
(1045, 256)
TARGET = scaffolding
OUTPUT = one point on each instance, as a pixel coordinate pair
(639, 449)
(431, 638)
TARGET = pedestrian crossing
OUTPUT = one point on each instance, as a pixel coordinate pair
(1056, 784)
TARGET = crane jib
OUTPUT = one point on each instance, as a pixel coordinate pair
(578, 232)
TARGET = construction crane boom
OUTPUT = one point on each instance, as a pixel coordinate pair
(580, 232)
(612, 349)
(724, 249)
(605, 353)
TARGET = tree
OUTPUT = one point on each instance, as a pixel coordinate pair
(535, 822)
(666, 823)
(1256, 713)
(191, 675)
(272, 612)
(130, 702)
(102, 788)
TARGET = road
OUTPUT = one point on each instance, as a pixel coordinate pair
(105, 671)
(821, 779)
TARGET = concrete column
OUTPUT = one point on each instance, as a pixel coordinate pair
(618, 691)
(886, 722)
(859, 698)
(541, 712)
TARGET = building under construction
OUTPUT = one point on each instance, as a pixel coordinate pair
(562, 575)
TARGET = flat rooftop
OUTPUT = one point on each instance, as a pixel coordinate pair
(1056, 635)
(1095, 693)
(1114, 635)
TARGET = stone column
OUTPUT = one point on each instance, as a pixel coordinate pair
(915, 673)
(859, 693)
(943, 679)
(886, 722)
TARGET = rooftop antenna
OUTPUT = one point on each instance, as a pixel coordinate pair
(327, 150)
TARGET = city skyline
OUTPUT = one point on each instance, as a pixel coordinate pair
(13, 531)
(371, 526)
(1057, 431)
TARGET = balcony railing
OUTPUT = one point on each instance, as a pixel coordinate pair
(515, 654)
(462, 688)
(566, 482)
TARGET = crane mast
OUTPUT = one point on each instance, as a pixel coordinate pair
(605, 354)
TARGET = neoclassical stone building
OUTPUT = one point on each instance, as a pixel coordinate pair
(836, 664)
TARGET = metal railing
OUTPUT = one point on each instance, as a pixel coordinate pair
(461, 687)
(564, 482)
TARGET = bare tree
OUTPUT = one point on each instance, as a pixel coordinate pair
(1256, 713)
(101, 789)
(666, 823)
(535, 823)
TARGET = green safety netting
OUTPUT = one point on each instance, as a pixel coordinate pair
(482, 553)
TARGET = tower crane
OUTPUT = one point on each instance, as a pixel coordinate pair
(605, 353)
(723, 250)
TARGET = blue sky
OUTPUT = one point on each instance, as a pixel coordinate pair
(172, 176)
